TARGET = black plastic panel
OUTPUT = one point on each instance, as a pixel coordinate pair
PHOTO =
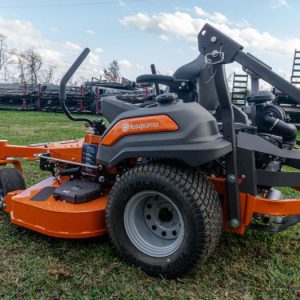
(197, 141)
(78, 191)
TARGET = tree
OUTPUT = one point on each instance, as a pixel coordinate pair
(33, 65)
(112, 72)
(5, 56)
(48, 74)
(21, 64)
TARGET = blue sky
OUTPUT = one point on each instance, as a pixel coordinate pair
(140, 32)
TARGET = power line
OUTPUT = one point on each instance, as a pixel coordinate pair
(86, 3)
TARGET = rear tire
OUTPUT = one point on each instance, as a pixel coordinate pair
(164, 219)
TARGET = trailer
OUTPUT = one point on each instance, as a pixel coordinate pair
(85, 98)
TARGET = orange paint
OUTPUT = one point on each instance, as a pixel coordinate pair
(250, 204)
(67, 150)
(7, 150)
(54, 217)
(142, 125)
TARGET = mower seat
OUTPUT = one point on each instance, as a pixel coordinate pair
(204, 89)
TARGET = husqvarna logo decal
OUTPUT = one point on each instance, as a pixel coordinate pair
(141, 126)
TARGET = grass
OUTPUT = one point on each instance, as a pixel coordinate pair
(254, 266)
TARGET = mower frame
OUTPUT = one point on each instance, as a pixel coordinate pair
(220, 49)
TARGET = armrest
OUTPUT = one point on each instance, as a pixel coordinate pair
(172, 82)
(154, 78)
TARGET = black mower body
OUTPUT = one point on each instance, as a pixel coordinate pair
(196, 142)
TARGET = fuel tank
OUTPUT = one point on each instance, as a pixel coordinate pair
(175, 130)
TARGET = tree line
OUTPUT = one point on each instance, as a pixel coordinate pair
(23, 66)
(28, 67)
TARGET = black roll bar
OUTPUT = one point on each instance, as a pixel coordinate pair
(63, 85)
(211, 41)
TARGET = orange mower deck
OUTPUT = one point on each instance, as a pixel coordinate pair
(54, 217)
(58, 218)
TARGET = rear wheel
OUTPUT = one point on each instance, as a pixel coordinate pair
(164, 219)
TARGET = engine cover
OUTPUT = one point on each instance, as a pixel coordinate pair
(196, 140)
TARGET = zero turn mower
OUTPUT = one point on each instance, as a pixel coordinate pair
(165, 180)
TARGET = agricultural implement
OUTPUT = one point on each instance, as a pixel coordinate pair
(80, 99)
(165, 180)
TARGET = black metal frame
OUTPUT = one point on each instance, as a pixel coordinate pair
(63, 84)
(220, 49)
(230, 136)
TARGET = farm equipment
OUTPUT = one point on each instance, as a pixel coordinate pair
(165, 180)
(239, 89)
(288, 103)
(82, 99)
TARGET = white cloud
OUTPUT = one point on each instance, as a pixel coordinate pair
(51, 55)
(22, 35)
(140, 67)
(164, 37)
(121, 3)
(90, 32)
(200, 12)
(181, 24)
(73, 46)
(94, 59)
(125, 63)
(279, 4)
(187, 27)
(99, 50)
(218, 18)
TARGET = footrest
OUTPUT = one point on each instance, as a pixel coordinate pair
(78, 191)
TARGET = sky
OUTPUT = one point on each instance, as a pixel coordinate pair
(139, 32)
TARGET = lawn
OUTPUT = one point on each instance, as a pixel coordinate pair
(254, 266)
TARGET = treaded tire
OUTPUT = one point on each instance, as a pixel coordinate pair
(11, 180)
(195, 198)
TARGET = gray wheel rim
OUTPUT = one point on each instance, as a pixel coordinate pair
(153, 224)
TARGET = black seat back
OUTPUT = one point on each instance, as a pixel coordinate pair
(203, 88)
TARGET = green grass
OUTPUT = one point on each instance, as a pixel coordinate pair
(254, 266)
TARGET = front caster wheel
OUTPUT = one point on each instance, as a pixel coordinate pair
(164, 219)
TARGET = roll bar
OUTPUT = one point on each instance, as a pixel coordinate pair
(63, 85)
(219, 48)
